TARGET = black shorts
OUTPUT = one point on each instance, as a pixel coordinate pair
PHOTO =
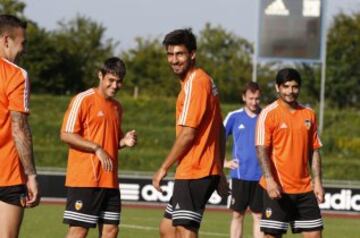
(87, 207)
(246, 194)
(301, 211)
(187, 205)
(15, 195)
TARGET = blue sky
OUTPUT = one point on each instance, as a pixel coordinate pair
(127, 19)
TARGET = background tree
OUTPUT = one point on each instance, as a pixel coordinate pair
(13, 7)
(148, 69)
(65, 60)
(227, 58)
(343, 67)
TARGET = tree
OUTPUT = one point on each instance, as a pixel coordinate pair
(343, 54)
(148, 69)
(65, 60)
(13, 7)
(227, 58)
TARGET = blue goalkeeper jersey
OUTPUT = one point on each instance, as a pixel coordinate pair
(242, 127)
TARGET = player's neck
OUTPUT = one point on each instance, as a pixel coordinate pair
(186, 75)
(292, 106)
(251, 113)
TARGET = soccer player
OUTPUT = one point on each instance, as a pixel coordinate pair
(245, 170)
(92, 129)
(18, 183)
(199, 145)
(287, 143)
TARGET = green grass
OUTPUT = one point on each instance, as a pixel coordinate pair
(46, 221)
(154, 120)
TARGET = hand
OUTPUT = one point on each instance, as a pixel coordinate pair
(273, 189)
(104, 158)
(158, 176)
(223, 187)
(231, 164)
(319, 192)
(130, 139)
(33, 196)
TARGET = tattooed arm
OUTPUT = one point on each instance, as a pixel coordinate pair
(223, 186)
(317, 176)
(272, 188)
(21, 134)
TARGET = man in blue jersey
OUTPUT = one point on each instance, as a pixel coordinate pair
(245, 170)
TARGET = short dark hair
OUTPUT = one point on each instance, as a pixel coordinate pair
(251, 86)
(113, 65)
(288, 74)
(181, 37)
(9, 22)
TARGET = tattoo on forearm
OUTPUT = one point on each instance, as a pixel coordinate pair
(316, 165)
(262, 155)
(23, 141)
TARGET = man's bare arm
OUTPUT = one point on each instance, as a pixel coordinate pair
(223, 187)
(272, 187)
(22, 136)
(181, 145)
(262, 155)
(316, 166)
(76, 141)
(222, 142)
(317, 176)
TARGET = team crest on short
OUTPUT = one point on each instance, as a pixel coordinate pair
(268, 212)
(22, 200)
(78, 205)
(307, 123)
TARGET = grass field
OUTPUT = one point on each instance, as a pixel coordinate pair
(46, 221)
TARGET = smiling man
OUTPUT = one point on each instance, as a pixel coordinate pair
(287, 142)
(245, 169)
(198, 149)
(92, 129)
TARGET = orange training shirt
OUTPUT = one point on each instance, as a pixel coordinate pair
(98, 120)
(198, 107)
(14, 96)
(291, 138)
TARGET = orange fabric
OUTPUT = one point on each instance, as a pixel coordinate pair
(98, 120)
(198, 107)
(291, 138)
(14, 96)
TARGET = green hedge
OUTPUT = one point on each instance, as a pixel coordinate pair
(154, 120)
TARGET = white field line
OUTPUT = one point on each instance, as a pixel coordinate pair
(150, 228)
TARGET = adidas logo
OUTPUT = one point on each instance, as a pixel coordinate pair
(277, 7)
(177, 206)
(283, 125)
(100, 114)
(241, 127)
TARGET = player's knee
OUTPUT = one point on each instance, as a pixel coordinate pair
(166, 228)
(77, 232)
(238, 215)
(110, 232)
(256, 216)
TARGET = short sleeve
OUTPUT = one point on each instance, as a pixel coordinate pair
(18, 91)
(316, 143)
(228, 124)
(195, 102)
(120, 112)
(264, 128)
(72, 122)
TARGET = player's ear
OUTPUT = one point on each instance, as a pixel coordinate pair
(277, 88)
(193, 55)
(100, 75)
